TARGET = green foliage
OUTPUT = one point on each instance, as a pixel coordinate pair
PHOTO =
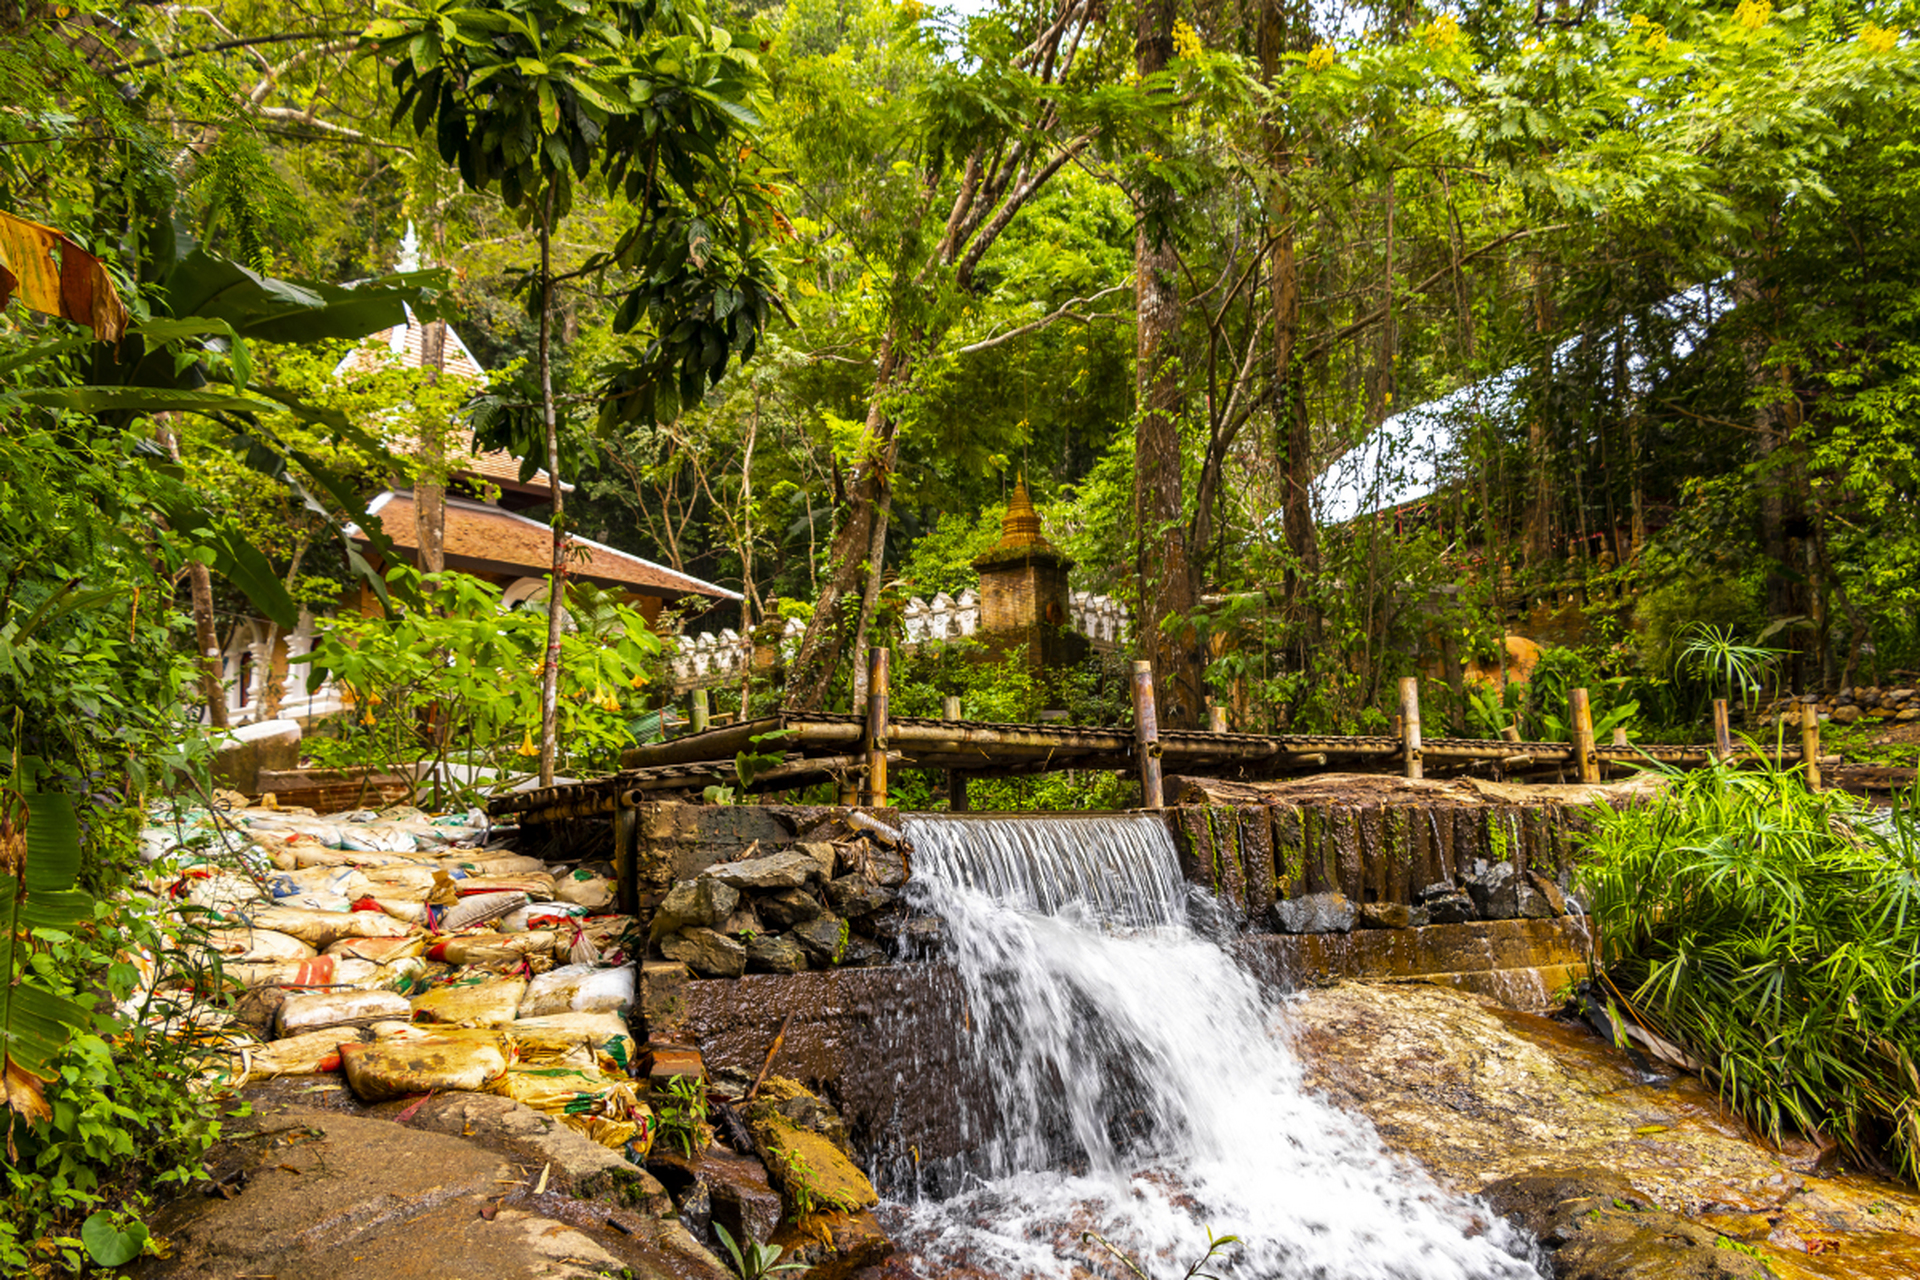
(1770, 931)
(683, 1115)
(458, 680)
(757, 1261)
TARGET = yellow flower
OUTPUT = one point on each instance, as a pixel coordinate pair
(1444, 33)
(1656, 37)
(373, 699)
(1320, 58)
(639, 680)
(1531, 46)
(1637, 20)
(1186, 41)
(1753, 14)
(1879, 39)
(526, 747)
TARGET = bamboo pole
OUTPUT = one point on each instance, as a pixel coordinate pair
(1410, 723)
(1216, 719)
(699, 717)
(1511, 733)
(1580, 712)
(1146, 737)
(1620, 735)
(1722, 732)
(1810, 746)
(877, 726)
(956, 778)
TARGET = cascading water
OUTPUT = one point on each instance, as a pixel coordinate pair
(1140, 1086)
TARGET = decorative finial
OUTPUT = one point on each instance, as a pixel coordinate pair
(410, 249)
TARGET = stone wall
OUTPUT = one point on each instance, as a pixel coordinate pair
(1854, 704)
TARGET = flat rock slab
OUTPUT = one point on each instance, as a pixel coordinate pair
(1482, 1095)
(329, 1195)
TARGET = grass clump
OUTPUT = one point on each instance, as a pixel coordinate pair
(1774, 933)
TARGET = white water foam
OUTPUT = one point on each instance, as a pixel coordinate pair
(1142, 1087)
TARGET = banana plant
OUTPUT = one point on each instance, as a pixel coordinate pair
(39, 868)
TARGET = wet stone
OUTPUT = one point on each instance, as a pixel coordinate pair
(1446, 904)
(702, 903)
(743, 923)
(824, 937)
(1315, 913)
(1385, 915)
(857, 896)
(709, 954)
(787, 907)
(775, 953)
(1492, 887)
(777, 871)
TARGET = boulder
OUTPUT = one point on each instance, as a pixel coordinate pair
(822, 853)
(824, 937)
(1845, 714)
(787, 907)
(775, 953)
(1385, 915)
(1492, 886)
(707, 953)
(698, 903)
(857, 896)
(1315, 913)
(776, 871)
(743, 923)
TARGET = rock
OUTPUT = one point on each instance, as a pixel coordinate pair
(739, 1197)
(863, 953)
(787, 908)
(1908, 713)
(699, 903)
(1898, 695)
(1315, 913)
(1845, 714)
(1600, 1228)
(709, 954)
(777, 871)
(824, 937)
(821, 852)
(662, 1064)
(584, 1167)
(775, 953)
(814, 1173)
(889, 867)
(857, 896)
(1491, 885)
(1556, 900)
(1385, 915)
(834, 1246)
(1530, 903)
(743, 923)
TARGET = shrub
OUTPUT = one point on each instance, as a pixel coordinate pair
(1772, 932)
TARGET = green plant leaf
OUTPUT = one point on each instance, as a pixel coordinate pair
(109, 1245)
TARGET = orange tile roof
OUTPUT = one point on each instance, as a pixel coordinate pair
(482, 535)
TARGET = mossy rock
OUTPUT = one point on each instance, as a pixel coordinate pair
(813, 1173)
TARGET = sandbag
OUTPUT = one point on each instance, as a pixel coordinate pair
(491, 948)
(399, 881)
(505, 864)
(606, 1032)
(395, 1068)
(607, 1110)
(586, 889)
(378, 950)
(537, 886)
(321, 971)
(257, 945)
(312, 1011)
(543, 915)
(578, 988)
(323, 857)
(491, 1003)
(220, 891)
(321, 929)
(400, 909)
(311, 1053)
(315, 902)
(480, 909)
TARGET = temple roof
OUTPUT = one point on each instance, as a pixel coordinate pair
(1022, 540)
(481, 537)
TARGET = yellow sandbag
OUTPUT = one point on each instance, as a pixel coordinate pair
(321, 856)
(606, 1032)
(484, 1004)
(607, 1110)
(312, 1011)
(400, 880)
(492, 948)
(509, 864)
(395, 1068)
(536, 885)
(585, 889)
(379, 950)
(257, 945)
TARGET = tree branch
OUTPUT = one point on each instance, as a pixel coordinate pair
(1066, 308)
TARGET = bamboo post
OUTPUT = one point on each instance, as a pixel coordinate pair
(699, 715)
(877, 726)
(1810, 746)
(1146, 737)
(1216, 719)
(1510, 732)
(956, 778)
(1410, 723)
(1722, 732)
(1580, 712)
(1620, 736)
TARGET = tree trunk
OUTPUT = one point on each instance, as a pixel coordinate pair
(430, 494)
(557, 583)
(200, 586)
(1162, 558)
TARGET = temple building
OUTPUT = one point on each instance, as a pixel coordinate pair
(1024, 597)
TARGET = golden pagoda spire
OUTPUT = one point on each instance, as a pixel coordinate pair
(1021, 528)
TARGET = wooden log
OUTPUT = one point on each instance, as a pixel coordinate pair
(1410, 723)
(1146, 737)
(956, 778)
(876, 789)
(1580, 713)
(1722, 731)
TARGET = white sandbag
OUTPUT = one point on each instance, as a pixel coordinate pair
(401, 880)
(311, 1053)
(378, 950)
(578, 988)
(502, 864)
(315, 902)
(397, 1068)
(479, 909)
(491, 948)
(537, 885)
(484, 1004)
(541, 915)
(257, 945)
(321, 929)
(400, 909)
(222, 891)
(311, 1011)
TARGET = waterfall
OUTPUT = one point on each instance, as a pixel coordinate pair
(1139, 1085)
